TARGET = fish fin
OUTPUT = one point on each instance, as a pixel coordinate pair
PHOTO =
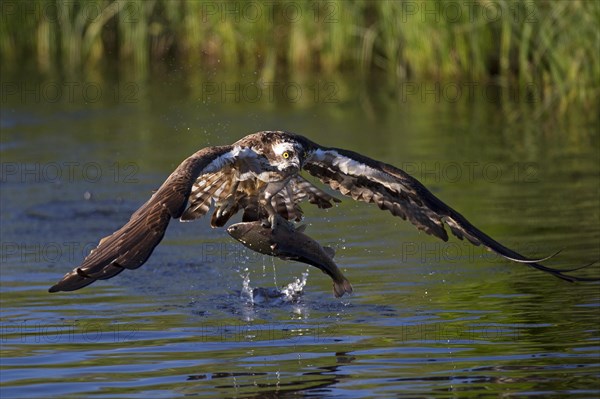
(342, 287)
(329, 251)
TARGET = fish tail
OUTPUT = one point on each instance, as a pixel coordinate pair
(342, 286)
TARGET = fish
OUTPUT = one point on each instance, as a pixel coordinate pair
(287, 242)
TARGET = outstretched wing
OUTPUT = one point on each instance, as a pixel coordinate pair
(365, 179)
(131, 245)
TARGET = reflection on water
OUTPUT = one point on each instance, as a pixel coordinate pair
(206, 317)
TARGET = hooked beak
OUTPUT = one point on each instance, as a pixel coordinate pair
(292, 168)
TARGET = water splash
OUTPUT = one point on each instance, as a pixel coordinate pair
(246, 294)
(272, 295)
(293, 290)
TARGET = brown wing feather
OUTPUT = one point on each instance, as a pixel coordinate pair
(365, 179)
(303, 188)
(131, 245)
(287, 201)
(203, 192)
(213, 188)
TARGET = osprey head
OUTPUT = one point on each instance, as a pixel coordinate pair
(288, 156)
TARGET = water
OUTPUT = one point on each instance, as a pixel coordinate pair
(204, 317)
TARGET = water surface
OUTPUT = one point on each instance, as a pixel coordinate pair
(427, 318)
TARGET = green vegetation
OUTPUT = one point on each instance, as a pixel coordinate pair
(550, 48)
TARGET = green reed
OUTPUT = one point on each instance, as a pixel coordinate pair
(549, 47)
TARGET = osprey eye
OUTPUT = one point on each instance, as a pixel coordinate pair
(286, 154)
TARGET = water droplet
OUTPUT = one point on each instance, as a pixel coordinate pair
(246, 293)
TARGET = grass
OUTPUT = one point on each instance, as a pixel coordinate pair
(550, 48)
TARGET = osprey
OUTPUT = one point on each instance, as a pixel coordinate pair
(260, 176)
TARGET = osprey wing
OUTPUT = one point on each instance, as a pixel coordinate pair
(365, 179)
(131, 245)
